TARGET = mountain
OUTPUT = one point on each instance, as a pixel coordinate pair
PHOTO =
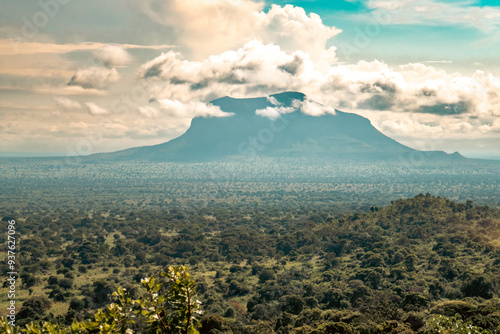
(294, 134)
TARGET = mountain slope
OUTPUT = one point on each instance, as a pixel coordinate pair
(294, 134)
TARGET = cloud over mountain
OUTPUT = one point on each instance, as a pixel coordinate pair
(258, 68)
(191, 109)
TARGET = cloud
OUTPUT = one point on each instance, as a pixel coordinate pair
(94, 109)
(273, 100)
(308, 107)
(149, 112)
(492, 127)
(114, 129)
(207, 27)
(68, 104)
(94, 77)
(313, 108)
(179, 109)
(292, 29)
(13, 47)
(258, 69)
(274, 112)
(67, 90)
(433, 12)
(253, 69)
(113, 56)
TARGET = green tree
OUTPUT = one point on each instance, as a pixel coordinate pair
(448, 325)
(168, 306)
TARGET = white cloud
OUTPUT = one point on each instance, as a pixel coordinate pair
(25, 47)
(95, 109)
(68, 90)
(308, 107)
(179, 109)
(292, 29)
(209, 27)
(274, 112)
(149, 112)
(492, 127)
(313, 108)
(253, 69)
(113, 55)
(273, 100)
(94, 77)
(433, 12)
(68, 104)
(258, 69)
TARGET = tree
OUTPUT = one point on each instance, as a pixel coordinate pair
(478, 287)
(28, 280)
(444, 325)
(292, 304)
(334, 327)
(168, 306)
(33, 309)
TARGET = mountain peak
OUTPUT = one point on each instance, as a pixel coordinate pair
(289, 134)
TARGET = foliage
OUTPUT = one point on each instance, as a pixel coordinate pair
(447, 325)
(168, 306)
(287, 269)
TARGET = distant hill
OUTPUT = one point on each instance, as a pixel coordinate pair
(295, 134)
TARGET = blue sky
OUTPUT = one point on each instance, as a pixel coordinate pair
(462, 43)
(67, 68)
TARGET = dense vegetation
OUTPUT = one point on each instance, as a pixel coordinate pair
(416, 265)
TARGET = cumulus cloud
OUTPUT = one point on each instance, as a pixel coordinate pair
(94, 77)
(492, 127)
(209, 27)
(258, 69)
(113, 55)
(253, 68)
(67, 104)
(95, 109)
(274, 112)
(308, 107)
(179, 109)
(313, 108)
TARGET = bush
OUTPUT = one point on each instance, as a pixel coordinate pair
(478, 287)
(33, 309)
(66, 283)
(443, 325)
(169, 306)
(334, 327)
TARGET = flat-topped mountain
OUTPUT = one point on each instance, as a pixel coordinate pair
(281, 125)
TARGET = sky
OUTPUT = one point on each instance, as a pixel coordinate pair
(81, 77)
